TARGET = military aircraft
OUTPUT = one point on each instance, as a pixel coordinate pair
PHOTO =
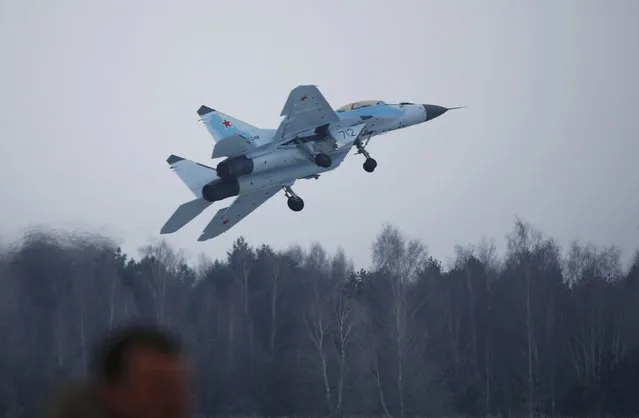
(311, 139)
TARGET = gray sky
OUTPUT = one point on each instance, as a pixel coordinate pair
(95, 95)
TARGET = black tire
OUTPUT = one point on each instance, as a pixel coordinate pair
(323, 160)
(370, 165)
(295, 204)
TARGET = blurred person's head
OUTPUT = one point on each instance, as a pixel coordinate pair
(140, 373)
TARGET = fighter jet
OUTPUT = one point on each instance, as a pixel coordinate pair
(311, 139)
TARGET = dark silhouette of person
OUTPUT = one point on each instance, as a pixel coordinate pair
(139, 372)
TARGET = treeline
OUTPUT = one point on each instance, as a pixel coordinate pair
(537, 331)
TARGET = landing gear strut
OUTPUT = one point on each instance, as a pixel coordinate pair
(295, 203)
(370, 164)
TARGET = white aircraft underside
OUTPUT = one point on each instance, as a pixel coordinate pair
(311, 139)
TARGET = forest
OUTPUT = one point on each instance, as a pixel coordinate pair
(538, 330)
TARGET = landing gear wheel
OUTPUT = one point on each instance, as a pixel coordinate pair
(296, 204)
(323, 160)
(370, 164)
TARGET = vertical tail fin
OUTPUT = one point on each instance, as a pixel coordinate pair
(221, 125)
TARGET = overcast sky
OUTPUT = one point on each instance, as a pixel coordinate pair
(94, 95)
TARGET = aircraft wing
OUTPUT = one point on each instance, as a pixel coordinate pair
(305, 109)
(241, 207)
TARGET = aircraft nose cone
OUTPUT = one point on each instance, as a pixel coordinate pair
(432, 111)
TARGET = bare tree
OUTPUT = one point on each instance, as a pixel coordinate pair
(600, 329)
(344, 327)
(318, 322)
(317, 259)
(274, 272)
(164, 263)
(521, 244)
(487, 255)
(240, 259)
(401, 261)
(341, 267)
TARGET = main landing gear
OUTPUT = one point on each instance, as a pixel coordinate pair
(295, 203)
(370, 164)
(323, 160)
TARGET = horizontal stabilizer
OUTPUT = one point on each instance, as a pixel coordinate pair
(194, 175)
(232, 146)
(184, 214)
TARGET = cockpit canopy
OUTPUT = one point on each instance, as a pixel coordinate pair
(359, 105)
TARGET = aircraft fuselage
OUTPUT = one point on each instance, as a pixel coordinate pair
(278, 163)
(313, 138)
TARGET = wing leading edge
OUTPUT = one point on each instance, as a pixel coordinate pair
(241, 207)
(305, 109)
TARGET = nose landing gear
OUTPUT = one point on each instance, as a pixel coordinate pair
(370, 164)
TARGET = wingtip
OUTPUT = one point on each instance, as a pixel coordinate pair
(203, 110)
(173, 159)
(167, 228)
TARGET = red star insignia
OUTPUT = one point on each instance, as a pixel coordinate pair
(303, 98)
(226, 123)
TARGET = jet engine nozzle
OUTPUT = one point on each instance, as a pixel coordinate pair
(220, 189)
(235, 167)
